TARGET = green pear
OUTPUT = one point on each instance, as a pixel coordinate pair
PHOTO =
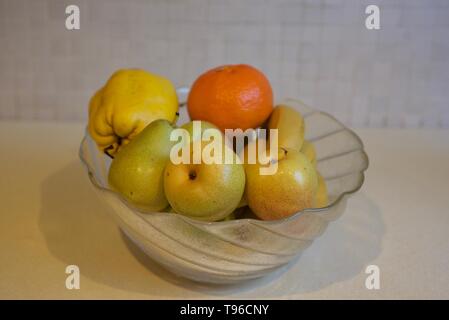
(196, 128)
(205, 191)
(137, 171)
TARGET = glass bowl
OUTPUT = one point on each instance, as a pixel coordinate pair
(237, 250)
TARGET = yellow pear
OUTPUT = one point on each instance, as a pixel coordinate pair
(309, 151)
(290, 189)
(321, 197)
(290, 126)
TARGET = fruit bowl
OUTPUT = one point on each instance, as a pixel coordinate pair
(237, 250)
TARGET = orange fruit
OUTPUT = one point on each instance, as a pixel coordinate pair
(231, 97)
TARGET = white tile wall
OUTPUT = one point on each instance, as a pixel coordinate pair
(315, 50)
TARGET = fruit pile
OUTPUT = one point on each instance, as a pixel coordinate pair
(132, 118)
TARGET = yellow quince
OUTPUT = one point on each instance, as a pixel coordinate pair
(128, 102)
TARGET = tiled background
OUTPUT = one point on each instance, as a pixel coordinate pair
(319, 51)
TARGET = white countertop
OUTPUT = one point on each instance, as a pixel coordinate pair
(51, 218)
